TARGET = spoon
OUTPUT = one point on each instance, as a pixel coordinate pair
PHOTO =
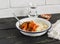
(16, 18)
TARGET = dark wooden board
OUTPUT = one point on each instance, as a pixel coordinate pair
(9, 34)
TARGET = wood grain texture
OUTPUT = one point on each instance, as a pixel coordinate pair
(9, 34)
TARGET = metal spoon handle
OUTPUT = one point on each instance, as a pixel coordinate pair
(16, 17)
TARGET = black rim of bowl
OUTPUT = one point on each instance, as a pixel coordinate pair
(37, 32)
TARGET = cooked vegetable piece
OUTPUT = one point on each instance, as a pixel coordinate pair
(24, 26)
(29, 26)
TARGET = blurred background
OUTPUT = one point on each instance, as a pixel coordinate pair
(19, 7)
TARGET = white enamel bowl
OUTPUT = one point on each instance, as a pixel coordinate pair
(33, 33)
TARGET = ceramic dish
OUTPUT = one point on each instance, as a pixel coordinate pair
(33, 33)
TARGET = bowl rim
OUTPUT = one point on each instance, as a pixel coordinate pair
(34, 32)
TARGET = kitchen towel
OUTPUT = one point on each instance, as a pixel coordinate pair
(54, 32)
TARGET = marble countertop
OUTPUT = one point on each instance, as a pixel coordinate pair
(9, 34)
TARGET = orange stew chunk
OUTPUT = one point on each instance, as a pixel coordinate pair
(29, 26)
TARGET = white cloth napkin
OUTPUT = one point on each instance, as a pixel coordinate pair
(54, 32)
